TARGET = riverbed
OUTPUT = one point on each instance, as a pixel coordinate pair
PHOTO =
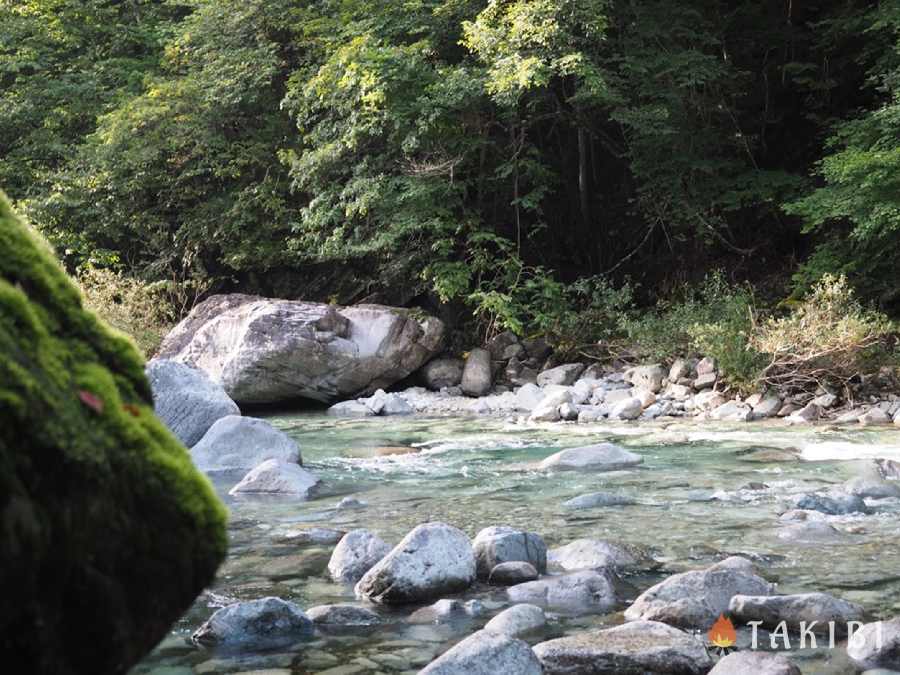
(705, 490)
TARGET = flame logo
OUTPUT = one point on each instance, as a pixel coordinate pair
(722, 633)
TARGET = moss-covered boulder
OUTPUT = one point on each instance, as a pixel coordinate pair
(107, 531)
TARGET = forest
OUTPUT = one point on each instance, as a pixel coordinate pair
(603, 172)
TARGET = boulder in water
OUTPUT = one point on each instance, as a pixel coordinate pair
(274, 477)
(518, 620)
(108, 531)
(807, 608)
(600, 457)
(356, 553)
(236, 442)
(500, 544)
(267, 623)
(486, 653)
(575, 593)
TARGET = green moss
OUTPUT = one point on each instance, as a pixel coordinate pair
(107, 531)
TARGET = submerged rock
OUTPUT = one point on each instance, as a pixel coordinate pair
(313, 535)
(754, 663)
(434, 559)
(108, 530)
(500, 544)
(695, 599)
(575, 593)
(518, 620)
(834, 503)
(274, 477)
(356, 553)
(186, 400)
(637, 647)
(447, 609)
(486, 653)
(264, 350)
(598, 499)
(794, 609)
(343, 615)
(600, 457)
(236, 442)
(267, 623)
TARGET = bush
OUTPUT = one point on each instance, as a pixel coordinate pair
(713, 319)
(146, 312)
(827, 339)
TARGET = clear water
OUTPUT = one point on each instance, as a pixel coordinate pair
(473, 473)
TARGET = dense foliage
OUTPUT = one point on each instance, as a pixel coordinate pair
(534, 163)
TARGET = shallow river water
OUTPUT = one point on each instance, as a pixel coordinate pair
(476, 472)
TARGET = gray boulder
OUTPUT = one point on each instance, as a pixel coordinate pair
(600, 457)
(500, 544)
(186, 400)
(732, 411)
(264, 350)
(768, 406)
(446, 610)
(350, 409)
(236, 442)
(434, 559)
(591, 554)
(629, 409)
(342, 615)
(315, 536)
(706, 365)
(874, 416)
(274, 477)
(754, 663)
(834, 503)
(575, 593)
(486, 653)
(872, 487)
(695, 599)
(811, 533)
(705, 381)
(547, 410)
(510, 573)
(382, 403)
(565, 374)
(518, 620)
(528, 397)
(596, 500)
(476, 376)
(267, 623)
(356, 553)
(639, 647)
(443, 372)
(876, 645)
(794, 609)
(647, 377)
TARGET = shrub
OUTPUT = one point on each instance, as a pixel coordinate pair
(826, 340)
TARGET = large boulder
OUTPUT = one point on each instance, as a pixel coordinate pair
(647, 377)
(274, 477)
(600, 457)
(755, 663)
(695, 599)
(356, 554)
(518, 620)
(186, 400)
(264, 350)
(486, 653)
(236, 442)
(564, 375)
(576, 593)
(477, 374)
(444, 372)
(639, 647)
(434, 559)
(591, 554)
(267, 623)
(500, 544)
(807, 608)
(107, 530)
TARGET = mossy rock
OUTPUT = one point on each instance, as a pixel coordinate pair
(108, 531)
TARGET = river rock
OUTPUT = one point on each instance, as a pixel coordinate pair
(695, 599)
(680, 369)
(356, 553)
(548, 408)
(382, 403)
(876, 645)
(597, 499)
(518, 620)
(316, 536)
(704, 381)
(476, 376)
(767, 407)
(486, 653)
(629, 409)
(432, 560)
(236, 442)
(808, 413)
(446, 609)
(274, 477)
(810, 533)
(343, 615)
(589, 554)
(186, 400)
(500, 544)
(733, 411)
(873, 417)
(443, 372)
(565, 374)
(754, 663)
(568, 412)
(108, 531)
(639, 647)
(510, 573)
(833, 503)
(600, 457)
(873, 488)
(267, 623)
(647, 377)
(264, 350)
(350, 409)
(793, 609)
(528, 397)
(574, 593)
(706, 365)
